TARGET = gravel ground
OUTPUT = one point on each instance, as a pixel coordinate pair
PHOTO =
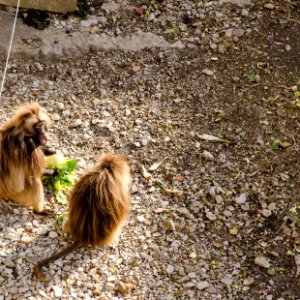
(220, 217)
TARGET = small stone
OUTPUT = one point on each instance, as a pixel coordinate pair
(96, 291)
(151, 17)
(66, 113)
(238, 32)
(183, 27)
(245, 12)
(227, 280)
(207, 155)
(136, 68)
(269, 6)
(228, 32)
(53, 235)
(55, 117)
(26, 239)
(61, 106)
(262, 262)
(241, 199)
(210, 216)
(170, 269)
(140, 219)
(271, 271)
(109, 286)
(288, 48)
(106, 113)
(233, 231)
(208, 72)
(266, 213)
(202, 285)
(75, 124)
(248, 281)
(192, 275)
(272, 206)
(57, 291)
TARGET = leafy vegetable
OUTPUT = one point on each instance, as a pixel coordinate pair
(58, 221)
(64, 176)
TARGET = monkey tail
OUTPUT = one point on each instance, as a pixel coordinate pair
(37, 272)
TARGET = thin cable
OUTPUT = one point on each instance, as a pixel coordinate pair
(9, 48)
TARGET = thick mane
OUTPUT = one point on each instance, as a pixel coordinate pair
(99, 203)
(14, 150)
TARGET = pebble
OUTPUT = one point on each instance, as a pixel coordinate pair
(170, 269)
(210, 216)
(109, 286)
(58, 292)
(227, 280)
(207, 155)
(208, 72)
(61, 106)
(241, 199)
(238, 32)
(183, 27)
(248, 281)
(288, 48)
(202, 285)
(266, 213)
(272, 206)
(245, 12)
(262, 262)
(151, 17)
(55, 117)
(269, 6)
(53, 235)
(76, 123)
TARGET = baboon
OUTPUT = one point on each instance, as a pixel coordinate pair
(22, 161)
(98, 206)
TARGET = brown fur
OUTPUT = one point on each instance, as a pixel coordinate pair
(98, 206)
(21, 161)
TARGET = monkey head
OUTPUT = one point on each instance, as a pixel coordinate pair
(29, 124)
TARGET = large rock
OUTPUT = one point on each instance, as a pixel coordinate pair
(60, 6)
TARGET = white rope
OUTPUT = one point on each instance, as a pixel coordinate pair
(9, 48)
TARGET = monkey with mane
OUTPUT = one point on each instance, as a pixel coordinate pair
(22, 158)
(98, 207)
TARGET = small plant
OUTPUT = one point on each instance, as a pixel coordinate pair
(114, 18)
(253, 77)
(152, 8)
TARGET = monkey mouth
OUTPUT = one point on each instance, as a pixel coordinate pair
(41, 133)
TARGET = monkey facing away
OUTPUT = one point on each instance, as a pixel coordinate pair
(22, 159)
(98, 206)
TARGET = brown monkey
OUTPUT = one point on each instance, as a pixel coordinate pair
(21, 158)
(98, 206)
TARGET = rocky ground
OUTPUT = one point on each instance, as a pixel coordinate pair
(220, 217)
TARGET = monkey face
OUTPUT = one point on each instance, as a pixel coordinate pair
(35, 126)
(29, 125)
